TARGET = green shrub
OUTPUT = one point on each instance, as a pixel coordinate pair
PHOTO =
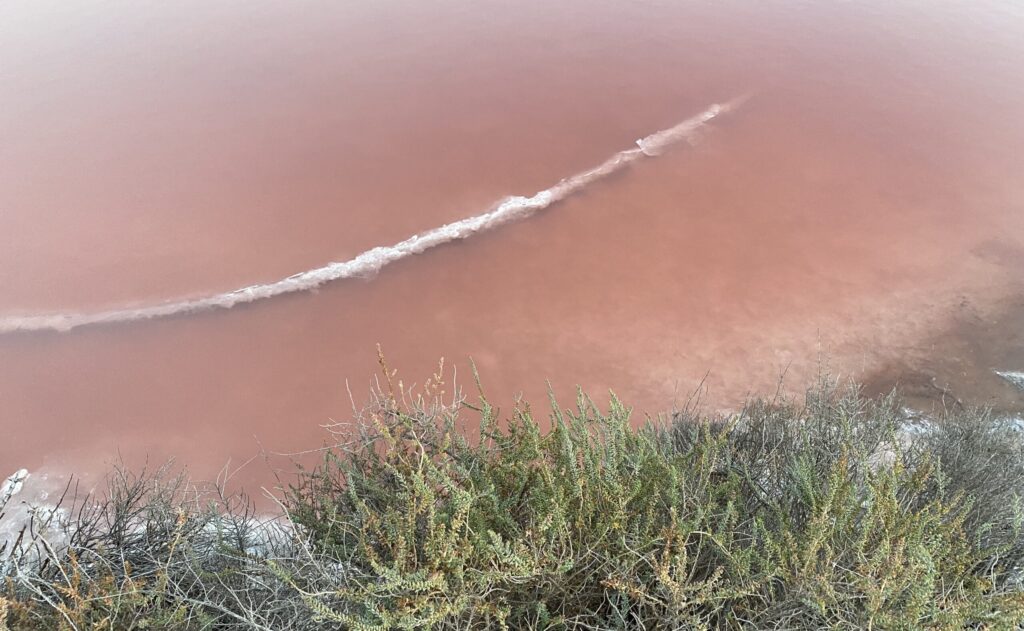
(829, 514)
(810, 517)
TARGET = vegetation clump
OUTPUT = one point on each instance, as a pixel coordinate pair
(837, 513)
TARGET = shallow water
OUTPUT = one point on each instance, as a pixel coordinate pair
(152, 153)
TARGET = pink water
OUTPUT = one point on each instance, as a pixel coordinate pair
(154, 152)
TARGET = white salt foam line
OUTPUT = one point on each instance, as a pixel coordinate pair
(373, 260)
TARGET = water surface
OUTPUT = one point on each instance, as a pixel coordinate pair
(157, 152)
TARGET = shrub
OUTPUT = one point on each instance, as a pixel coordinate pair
(828, 514)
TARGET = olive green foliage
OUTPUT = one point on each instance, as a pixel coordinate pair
(830, 514)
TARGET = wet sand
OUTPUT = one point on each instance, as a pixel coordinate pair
(152, 153)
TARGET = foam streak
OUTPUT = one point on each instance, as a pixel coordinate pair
(373, 260)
